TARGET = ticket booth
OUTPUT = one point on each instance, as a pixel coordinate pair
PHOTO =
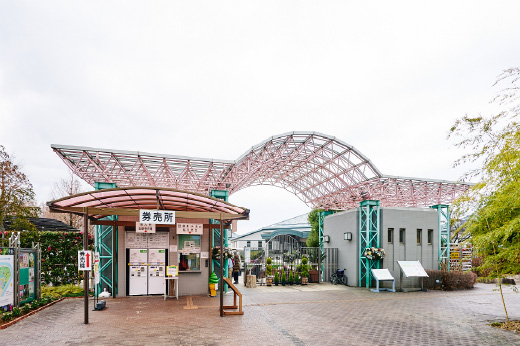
(137, 261)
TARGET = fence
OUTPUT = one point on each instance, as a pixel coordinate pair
(320, 266)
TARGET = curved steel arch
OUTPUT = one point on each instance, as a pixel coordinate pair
(321, 170)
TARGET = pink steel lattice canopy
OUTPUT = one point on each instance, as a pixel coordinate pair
(321, 170)
(127, 200)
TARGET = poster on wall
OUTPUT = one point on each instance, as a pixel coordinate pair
(136, 240)
(158, 240)
(6, 281)
(26, 277)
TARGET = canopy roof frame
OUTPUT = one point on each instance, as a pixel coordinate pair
(128, 201)
(321, 170)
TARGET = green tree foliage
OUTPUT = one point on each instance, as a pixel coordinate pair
(16, 194)
(59, 254)
(493, 204)
(314, 235)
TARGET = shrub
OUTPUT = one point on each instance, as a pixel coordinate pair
(449, 280)
(59, 254)
(56, 292)
(269, 267)
(7, 316)
(276, 277)
(16, 312)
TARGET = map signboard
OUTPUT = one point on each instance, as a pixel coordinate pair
(6, 280)
(412, 268)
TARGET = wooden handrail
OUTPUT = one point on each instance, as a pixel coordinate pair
(236, 293)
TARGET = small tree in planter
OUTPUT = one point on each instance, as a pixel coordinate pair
(268, 272)
(276, 278)
(284, 278)
(305, 271)
(291, 278)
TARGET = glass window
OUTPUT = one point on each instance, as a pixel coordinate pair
(248, 244)
(419, 235)
(189, 252)
(430, 236)
(401, 235)
(390, 235)
(259, 244)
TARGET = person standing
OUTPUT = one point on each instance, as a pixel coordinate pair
(236, 268)
(230, 267)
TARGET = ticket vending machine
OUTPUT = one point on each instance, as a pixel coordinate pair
(138, 272)
(156, 271)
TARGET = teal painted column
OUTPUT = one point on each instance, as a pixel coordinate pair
(105, 243)
(443, 217)
(224, 195)
(369, 229)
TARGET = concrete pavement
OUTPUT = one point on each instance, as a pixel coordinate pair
(317, 314)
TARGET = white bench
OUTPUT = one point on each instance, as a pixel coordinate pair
(383, 275)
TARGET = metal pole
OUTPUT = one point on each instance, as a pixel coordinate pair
(114, 252)
(221, 284)
(85, 273)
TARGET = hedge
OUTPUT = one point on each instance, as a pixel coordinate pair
(449, 280)
(59, 254)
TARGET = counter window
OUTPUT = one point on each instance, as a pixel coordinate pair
(189, 252)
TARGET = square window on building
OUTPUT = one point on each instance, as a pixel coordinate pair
(419, 236)
(259, 244)
(430, 236)
(390, 235)
(401, 235)
(248, 244)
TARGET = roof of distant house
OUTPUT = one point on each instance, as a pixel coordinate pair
(46, 224)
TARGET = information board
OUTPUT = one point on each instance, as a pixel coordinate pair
(144, 227)
(172, 270)
(382, 274)
(412, 268)
(85, 260)
(190, 228)
(6, 280)
(158, 240)
(164, 217)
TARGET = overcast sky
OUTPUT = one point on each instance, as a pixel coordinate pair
(213, 78)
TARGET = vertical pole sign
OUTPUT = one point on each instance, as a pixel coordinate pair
(84, 263)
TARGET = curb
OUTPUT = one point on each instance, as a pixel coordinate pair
(18, 319)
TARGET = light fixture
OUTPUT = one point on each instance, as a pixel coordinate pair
(326, 239)
(347, 235)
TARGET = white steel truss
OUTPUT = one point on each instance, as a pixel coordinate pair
(321, 170)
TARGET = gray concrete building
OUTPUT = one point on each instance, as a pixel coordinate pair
(406, 234)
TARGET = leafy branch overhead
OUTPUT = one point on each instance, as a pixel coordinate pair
(492, 206)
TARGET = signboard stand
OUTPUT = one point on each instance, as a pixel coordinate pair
(411, 269)
(382, 275)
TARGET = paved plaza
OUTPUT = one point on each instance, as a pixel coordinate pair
(297, 315)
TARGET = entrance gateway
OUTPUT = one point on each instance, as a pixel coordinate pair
(323, 171)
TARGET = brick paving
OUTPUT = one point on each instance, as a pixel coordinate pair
(298, 315)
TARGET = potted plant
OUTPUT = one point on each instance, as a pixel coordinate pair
(305, 271)
(291, 278)
(268, 272)
(276, 278)
(284, 278)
